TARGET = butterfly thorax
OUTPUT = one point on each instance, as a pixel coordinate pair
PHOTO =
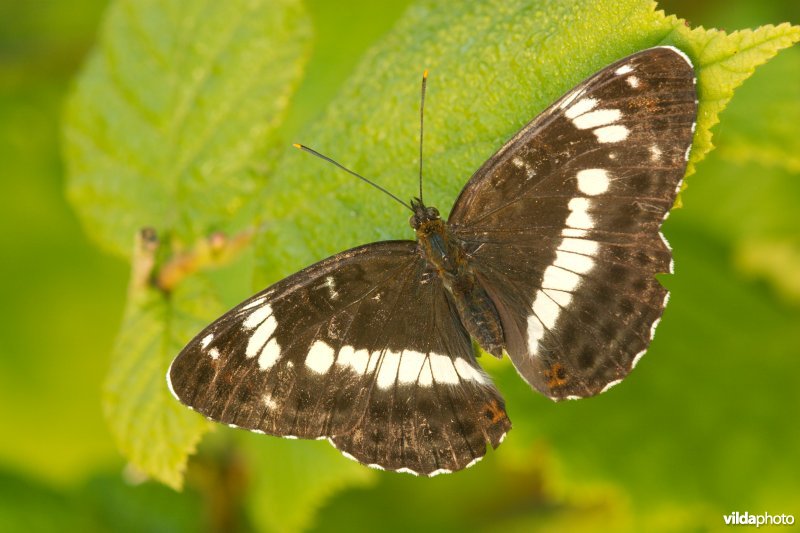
(446, 256)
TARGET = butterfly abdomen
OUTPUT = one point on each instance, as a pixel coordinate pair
(445, 255)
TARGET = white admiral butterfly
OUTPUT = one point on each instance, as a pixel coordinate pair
(549, 255)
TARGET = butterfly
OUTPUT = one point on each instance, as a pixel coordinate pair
(549, 256)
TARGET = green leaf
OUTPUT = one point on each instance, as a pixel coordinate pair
(153, 431)
(750, 184)
(493, 66)
(171, 109)
(761, 129)
(723, 61)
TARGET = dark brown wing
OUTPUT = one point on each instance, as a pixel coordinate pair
(563, 222)
(361, 348)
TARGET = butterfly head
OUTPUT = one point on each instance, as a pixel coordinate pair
(423, 216)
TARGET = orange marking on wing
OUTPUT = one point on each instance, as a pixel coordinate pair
(494, 412)
(557, 376)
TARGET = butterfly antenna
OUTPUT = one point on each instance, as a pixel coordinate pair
(421, 129)
(359, 176)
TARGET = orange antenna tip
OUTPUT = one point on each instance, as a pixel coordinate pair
(300, 146)
(425, 74)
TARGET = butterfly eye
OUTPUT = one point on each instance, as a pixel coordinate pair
(413, 221)
(432, 212)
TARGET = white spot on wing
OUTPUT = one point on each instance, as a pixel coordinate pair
(560, 279)
(580, 107)
(570, 98)
(257, 317)
(611, 134)
(610, 384)
(579, 214)
(521, 163)
(633, 81)
(425, 376)
(535, 333)
(387, 374)
(579, 246)
(562, 298)
(442, 369)
(593, 181)
(624, 69)
(169, 384)
(469, 372)
(546, 310)
(269, 355)
(440, 471)
(213, 353)
(320, 357)
(331, 284)
(474, 462)
(655, 153)
(601, 117)
(254, 303)
(653, 327)
(664, 240)
(263, 332)
(573, 262)
(572, 232)
(356, 360)
(207, 340)
(269, 403)
(410, 366)
(405, 470)
(637, 358)
(373, 362)
(344, 453)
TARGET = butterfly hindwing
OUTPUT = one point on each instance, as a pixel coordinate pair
(563, 222)
(431, 429)
(361, 348)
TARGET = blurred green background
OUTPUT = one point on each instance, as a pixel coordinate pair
(708, 426)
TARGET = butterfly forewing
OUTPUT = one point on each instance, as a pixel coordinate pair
(563, 222)
(361, 348)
